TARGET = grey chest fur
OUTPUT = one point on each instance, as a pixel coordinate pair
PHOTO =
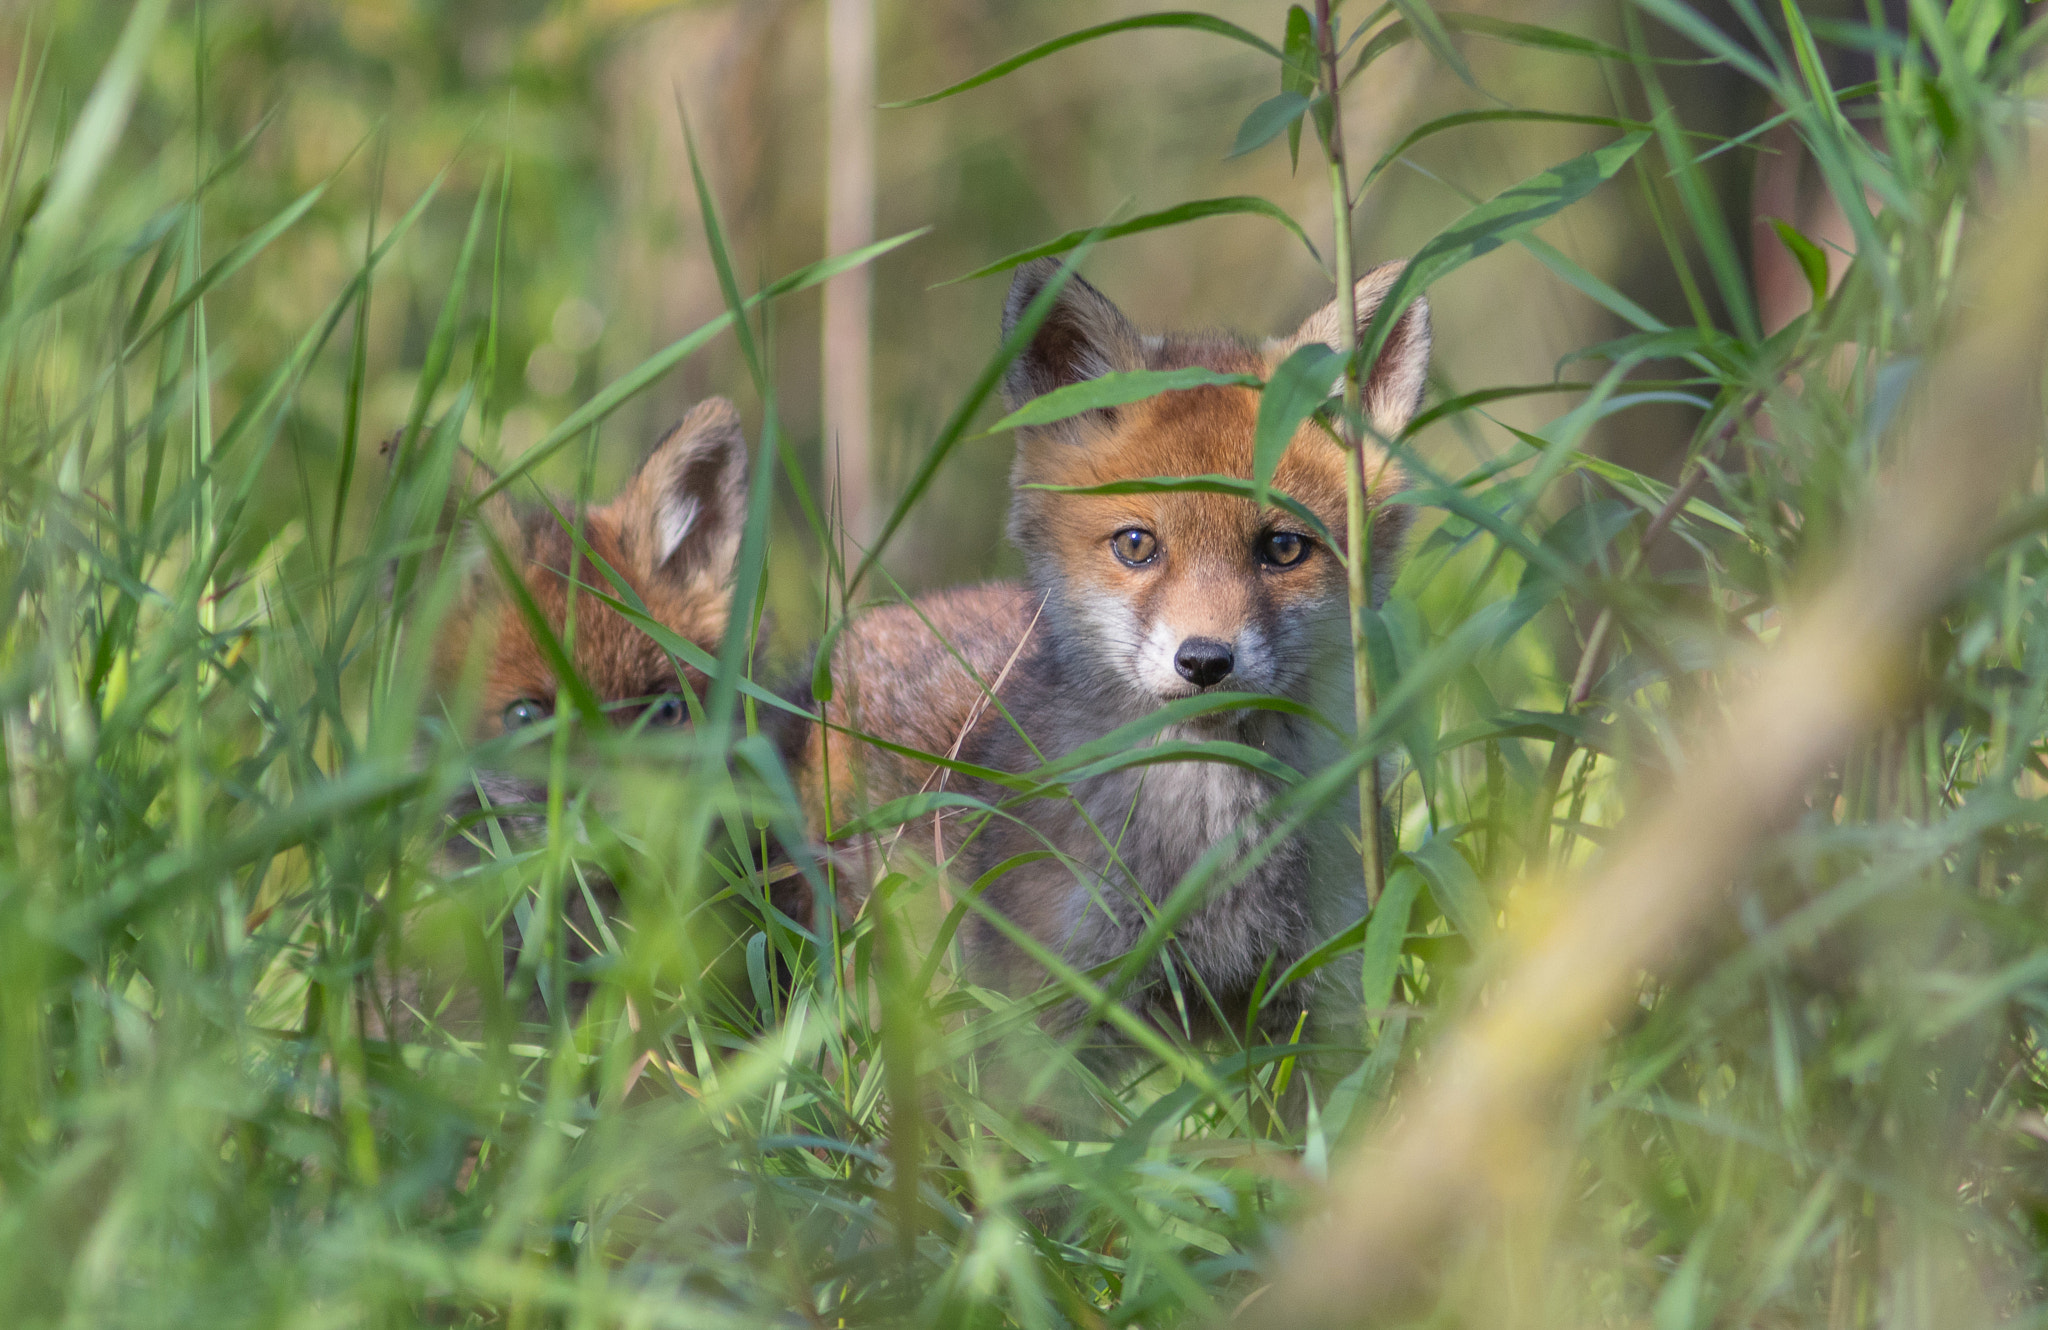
(1162, 820)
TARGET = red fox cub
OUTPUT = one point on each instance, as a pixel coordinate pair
(1133, 601)
(672, 534)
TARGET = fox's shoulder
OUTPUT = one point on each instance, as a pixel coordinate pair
(918, 675)
(982, 625)
(920, 669)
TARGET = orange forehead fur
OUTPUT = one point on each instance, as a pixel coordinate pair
(612, 654)
(1194, 431)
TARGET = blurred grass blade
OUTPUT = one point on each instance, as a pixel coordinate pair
(91, 143)
(1463, 118)
(1174, 216)
(1114, 390)
(1190, 21)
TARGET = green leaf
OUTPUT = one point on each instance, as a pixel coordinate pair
(1186, 750)
(1652, 494)
(1455, 888)
(1348, 939)
(1386, 928)
(909, 808)
(1528, 34)
(1297, 388)
(1381, 42)
(1297, 70)
(1236, 486)
(1812, 261)
(1192, 211)
(735, 650)
(1422, 20)
(1114, 390)
(441, 345)
(1463, 118)
(1266, 121)
(1581, 729)
(1506, 216)
(1177, 19)
(1299, 58)
(1467, 401)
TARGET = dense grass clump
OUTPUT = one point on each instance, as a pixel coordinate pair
(264, 1058)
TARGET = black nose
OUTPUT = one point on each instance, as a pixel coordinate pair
(1202, 660)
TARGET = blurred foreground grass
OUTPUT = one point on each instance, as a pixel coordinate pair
(225, 773)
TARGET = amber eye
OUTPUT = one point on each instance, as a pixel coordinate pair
(1135, 546)
(526, 711)
(1283, 549)
(667, 711)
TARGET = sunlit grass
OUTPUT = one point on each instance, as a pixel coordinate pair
(258, 1064)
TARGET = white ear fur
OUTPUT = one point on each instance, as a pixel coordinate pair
(673, 516)
(1393, 386)
(684, 510)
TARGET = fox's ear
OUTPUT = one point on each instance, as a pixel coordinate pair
(682, 514)
(1393, 389)
(1083, 337)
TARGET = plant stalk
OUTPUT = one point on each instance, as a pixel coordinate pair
(1357, 515)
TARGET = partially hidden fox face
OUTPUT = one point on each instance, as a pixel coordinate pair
(672, 534)
(1164, 595)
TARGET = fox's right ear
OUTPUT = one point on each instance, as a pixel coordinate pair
(683, 513)
(1393, 387)
(1084, 336)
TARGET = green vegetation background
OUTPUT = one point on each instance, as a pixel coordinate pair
(221, 812)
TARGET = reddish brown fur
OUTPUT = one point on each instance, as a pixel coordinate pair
(693, 481)
(1102, 651)
(612, 654)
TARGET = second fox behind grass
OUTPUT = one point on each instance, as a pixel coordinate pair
(1134, 601)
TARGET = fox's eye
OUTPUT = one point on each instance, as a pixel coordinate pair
(524, 712)
(668, 711)
(1135, 545)
(1283, 549)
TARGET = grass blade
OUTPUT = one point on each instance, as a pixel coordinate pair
(1152, 221)
(1180, 19)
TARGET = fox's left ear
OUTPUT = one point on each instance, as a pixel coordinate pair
(682, 514)
(1084, 336)
(1393, 389)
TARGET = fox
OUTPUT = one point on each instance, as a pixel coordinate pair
(1131, 601)
(672, 534)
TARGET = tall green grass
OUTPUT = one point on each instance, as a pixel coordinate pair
(261, 1061)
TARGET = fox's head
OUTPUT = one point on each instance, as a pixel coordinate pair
(1166, 595)
(671, 533)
